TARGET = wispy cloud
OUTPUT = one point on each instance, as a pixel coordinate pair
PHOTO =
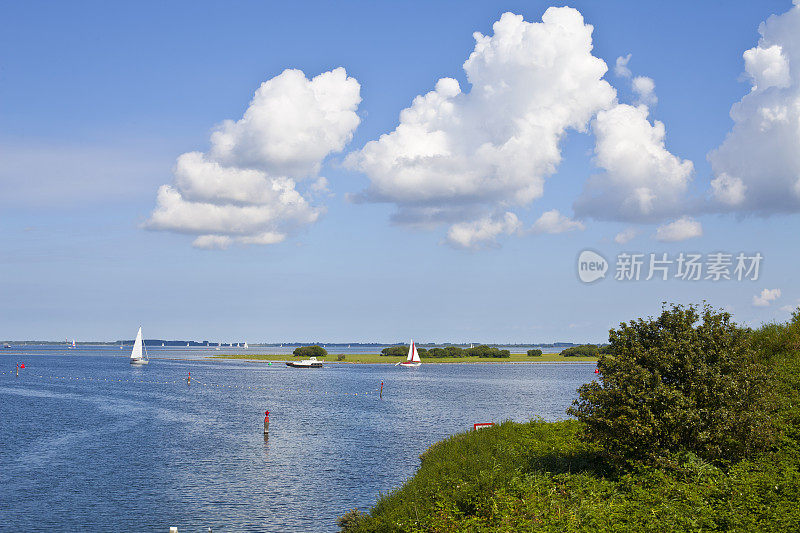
(766, 297)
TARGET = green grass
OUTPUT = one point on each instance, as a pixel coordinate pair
(374, 358)
(541, 476)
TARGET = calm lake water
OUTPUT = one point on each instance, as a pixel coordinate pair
(89, 443)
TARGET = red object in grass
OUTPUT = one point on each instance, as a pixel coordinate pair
(482, 425)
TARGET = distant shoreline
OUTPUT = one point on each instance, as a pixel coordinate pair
(378, 359)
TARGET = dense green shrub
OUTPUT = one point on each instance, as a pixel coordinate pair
(395, 351)
(584, 350)
(402, 350)
(534, 353)
(310, 351)
(487, 351)
(447, 351)
(683, 382)
(772, 338)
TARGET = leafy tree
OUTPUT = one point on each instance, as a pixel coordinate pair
(584, 350)
(310, 351)
(534, 353)
(447, 351)
(687, 381)
(487, 351)
(395, 350)
(402, 350)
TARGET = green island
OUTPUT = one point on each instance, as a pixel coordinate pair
(692, 425)
(376, 358)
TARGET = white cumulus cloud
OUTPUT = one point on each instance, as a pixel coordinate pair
(679, 230)
(645, 89)
(625, 236)
(643, 181)
(554, 222)
(245, 189)
(757, 167)
(621, 67)
(457, 156)
(766, 297)
(483, 232)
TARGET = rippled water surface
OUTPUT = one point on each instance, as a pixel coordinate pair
(89, 443)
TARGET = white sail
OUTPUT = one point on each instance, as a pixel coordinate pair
(413, 356)
(136, 353)
(245, 346)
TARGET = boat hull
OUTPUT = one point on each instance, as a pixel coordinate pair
(406, 364)
(138, 362)
(300, 365)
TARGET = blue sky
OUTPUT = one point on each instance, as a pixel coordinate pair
(98, 101)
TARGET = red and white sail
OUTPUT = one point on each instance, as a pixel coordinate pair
(413, 355)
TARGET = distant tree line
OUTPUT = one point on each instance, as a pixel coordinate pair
(586, 350)
(449, 351)
(310, 351)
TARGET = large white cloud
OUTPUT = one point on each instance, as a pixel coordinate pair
(757, 167)
(244, 189)
(458, 157)
(643, 181)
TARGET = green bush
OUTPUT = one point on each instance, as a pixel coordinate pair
(395, 351)
(584, 350)
(534, 353)
(683, 382)
(486, 351)
(310, 351)
(447, 351)
(771, 339)
(402, 350)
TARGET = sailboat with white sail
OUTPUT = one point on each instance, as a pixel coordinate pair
(137, 358)
(412, 361)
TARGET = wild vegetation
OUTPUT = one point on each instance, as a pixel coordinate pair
(534, 353)
(693, 425)
(310, 351)
(374, 358)
(584, 350)
(450, 351)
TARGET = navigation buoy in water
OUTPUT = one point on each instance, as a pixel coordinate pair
(381, 396)
(189, 379)
(596, 371)
(266, 422)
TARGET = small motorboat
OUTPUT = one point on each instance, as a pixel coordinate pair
(311, 362)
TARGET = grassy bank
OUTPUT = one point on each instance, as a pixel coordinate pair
(374, 358)
(542, 476)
